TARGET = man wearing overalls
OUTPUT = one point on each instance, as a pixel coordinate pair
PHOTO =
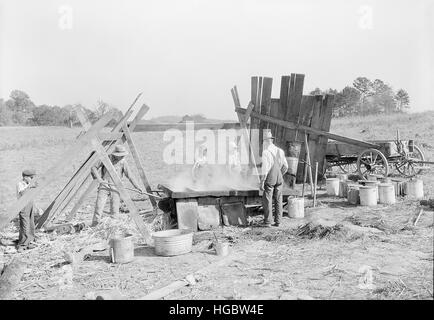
(274, 166)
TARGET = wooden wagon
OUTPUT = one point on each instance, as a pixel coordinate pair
(380, 159)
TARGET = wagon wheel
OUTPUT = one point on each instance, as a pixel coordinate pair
(406, 166)
(350, 168)
(372, 161)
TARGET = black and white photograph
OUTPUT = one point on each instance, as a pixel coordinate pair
(223, 152)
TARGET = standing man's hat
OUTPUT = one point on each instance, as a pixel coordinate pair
(29, 172)
(120, 151)
(267, 135)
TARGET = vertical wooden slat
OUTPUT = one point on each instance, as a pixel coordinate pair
(306, 110)
(137, 161)
(293, 111)
(324, 124)
(315, 123)
(254, 123)
(283, 105)
(274, 112)
(265, 107)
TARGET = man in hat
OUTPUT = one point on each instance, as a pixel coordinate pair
(26, 216)
(107, 188)
(234, 163)
(274, 166)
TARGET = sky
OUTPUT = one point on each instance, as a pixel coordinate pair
(186, 55)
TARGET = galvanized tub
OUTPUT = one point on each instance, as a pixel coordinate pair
(173, 242)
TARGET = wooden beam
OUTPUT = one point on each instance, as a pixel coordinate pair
(293, 126)
(293, 111)
(138, 163)
(54, 172)
(324, 126)
(144, 126)
(283, 105)
(93, 184)
(121, 189)
(306, 111)
(245, 133)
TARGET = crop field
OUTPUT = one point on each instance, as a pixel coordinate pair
(292, 265)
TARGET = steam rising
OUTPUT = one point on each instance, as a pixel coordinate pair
(212, 178)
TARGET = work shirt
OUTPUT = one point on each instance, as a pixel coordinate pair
(121, 169)
(22, 186)
(269, 156)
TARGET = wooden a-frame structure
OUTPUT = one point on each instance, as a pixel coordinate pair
(102, 145)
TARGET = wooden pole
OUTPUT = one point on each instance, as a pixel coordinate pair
(291, 125)
(139, 165)
(309, 164)
(315, 184)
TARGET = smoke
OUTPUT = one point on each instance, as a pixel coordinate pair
(214, 177)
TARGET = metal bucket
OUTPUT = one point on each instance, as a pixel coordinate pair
(293, 152)
(122, 249)
(173, 242)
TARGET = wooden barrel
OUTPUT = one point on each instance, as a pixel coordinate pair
(173, 242)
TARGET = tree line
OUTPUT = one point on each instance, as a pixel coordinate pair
(367, 97)
(20, 110)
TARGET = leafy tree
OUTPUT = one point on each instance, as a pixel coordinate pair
(365, 87)
(347, 101)
(5, 114)
(403, 100)
(315, 92)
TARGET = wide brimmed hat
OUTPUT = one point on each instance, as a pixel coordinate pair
(267, 135)
(120, 151)
(29, 172)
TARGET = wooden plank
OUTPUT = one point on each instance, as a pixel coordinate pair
(287, 112)
(254, 123)
(237, 96)
(306, 110)
(121, 189)
(144, 126)
(324, 125)
(283, 105)
(94, 183)
(265, 107)
(274, 112)
(244, 131)
(293, 126)
(293, 111)
(109, 136)
(45, 179)
(139, 164)
(187, 213)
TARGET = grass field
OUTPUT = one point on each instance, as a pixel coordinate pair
(325, 269)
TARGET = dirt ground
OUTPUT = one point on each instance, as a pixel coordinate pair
(264, 263)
